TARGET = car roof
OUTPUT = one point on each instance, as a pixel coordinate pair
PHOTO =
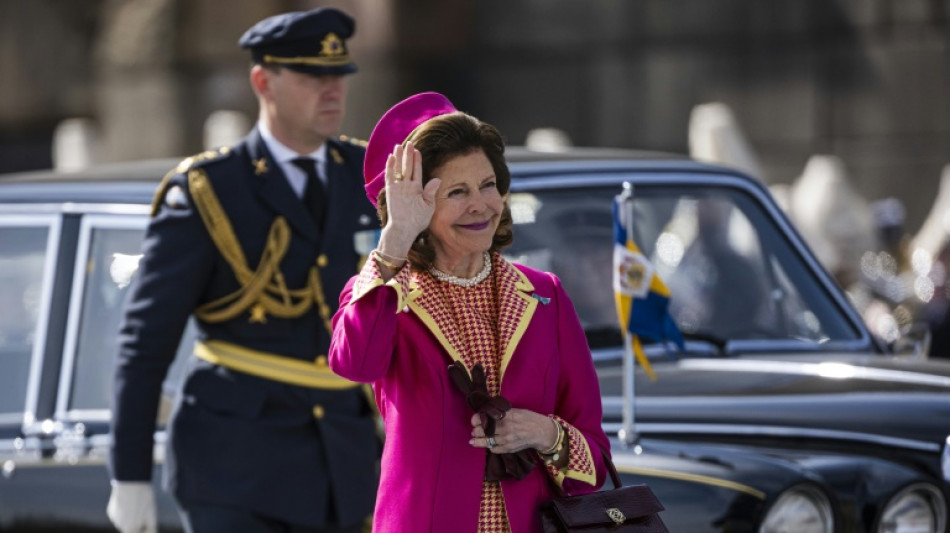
(521, 154)
(146, 170)
(135, 182)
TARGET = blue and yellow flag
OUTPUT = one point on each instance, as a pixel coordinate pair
(642, 297)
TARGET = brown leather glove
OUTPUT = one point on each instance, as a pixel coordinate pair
(501, 466)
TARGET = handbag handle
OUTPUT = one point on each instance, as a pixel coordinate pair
(614, 476)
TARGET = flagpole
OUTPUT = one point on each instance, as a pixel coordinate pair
(627, 433)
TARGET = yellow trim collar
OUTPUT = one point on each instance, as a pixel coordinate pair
(523, 290)
(430, 321)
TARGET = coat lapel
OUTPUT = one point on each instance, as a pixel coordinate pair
(275, 191)
(516, 307)
(427, 302)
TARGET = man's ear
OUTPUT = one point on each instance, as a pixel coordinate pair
(260, 80)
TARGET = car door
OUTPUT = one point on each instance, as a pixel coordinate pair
(30, 253)
(67, 481)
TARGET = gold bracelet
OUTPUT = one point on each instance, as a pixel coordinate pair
(557, 442)
(392, 265)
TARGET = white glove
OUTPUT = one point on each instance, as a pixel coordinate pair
(132, 507)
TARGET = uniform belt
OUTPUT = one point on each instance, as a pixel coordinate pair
(271, 366)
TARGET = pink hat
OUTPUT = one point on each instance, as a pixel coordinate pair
(392, 129)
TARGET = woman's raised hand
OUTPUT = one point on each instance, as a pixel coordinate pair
(410, 205)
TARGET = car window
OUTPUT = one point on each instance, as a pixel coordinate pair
(732, 273)
(23, 255)
(570, 232)
(107, 259)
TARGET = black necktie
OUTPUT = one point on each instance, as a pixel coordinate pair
(314, 194)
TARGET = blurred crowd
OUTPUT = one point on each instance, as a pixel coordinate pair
(897, 278)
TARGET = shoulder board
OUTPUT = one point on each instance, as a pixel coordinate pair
(204, 157)
(183, 167)
(353, 140)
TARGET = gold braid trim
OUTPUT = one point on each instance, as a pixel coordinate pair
(265, 288)
(160, 192)
(275, 367)
(181, 167)
(317, 285)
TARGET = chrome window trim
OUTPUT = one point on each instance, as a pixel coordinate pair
(647, 428)
(88, 225)
(524, 179)
(824, 369)
(28, 453)
(11, 418)
(20, 447)
(83, 415)
(54, 226)
(75, 208)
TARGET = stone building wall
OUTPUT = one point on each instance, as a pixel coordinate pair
(861, 79)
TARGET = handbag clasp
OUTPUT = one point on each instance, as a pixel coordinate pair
(616, 515)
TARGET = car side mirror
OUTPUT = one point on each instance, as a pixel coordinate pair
(914, 341)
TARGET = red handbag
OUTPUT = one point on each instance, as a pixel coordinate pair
(632, 509)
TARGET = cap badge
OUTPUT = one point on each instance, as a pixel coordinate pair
(332, 45)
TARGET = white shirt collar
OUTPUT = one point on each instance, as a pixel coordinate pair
(282, 154)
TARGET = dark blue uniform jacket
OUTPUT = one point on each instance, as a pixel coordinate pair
(301, 454)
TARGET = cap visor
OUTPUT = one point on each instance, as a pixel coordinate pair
(322, 71)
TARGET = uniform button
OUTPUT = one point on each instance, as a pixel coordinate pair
(321, 360)
(322, 260)
(318, 411)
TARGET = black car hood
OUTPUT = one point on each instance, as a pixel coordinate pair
(838, 394)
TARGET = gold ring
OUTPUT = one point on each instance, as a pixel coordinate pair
(398, 176)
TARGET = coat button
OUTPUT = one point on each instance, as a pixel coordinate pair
(322, 260)
(318, 411)
(321, 360)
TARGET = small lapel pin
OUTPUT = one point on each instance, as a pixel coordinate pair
(542, 299)
(337, 158)
(260, 166)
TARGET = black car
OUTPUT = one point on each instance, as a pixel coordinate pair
(782, 413)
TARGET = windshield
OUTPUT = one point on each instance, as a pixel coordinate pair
(731, 272)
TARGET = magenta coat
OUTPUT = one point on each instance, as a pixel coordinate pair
(392, 335)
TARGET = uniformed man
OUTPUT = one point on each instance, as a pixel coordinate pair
(255, 241)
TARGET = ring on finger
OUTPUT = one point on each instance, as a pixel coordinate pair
(491, 442)
(398, 176)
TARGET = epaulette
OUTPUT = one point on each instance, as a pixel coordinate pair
(184, 166)
(208, 155)
(353, 140)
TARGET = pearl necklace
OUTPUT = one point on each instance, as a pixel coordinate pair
(464, 282)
